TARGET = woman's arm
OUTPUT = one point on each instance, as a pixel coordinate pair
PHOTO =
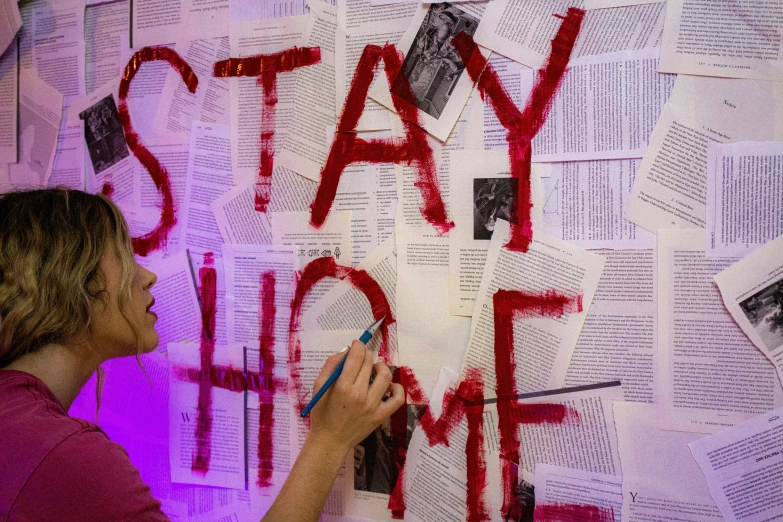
(345, 415)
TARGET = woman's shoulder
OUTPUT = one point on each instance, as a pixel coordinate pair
(51, 461)
(88, 477)
(33, 422)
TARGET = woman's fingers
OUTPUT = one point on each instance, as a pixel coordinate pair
(353, 364)
(366, 372)
(329, 366)
(383, 377)
(393, 403)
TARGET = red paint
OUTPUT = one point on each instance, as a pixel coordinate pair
(572, 513)
(156, 238)
(522, 127)
(107, 189)
(208, 289)
(315, 271)
(266, 338)
(267, 67)
(509, 304)
(223, 377)
(348, 148)
(399, 434)
(228, 378)
(474, 447)
(456, 402)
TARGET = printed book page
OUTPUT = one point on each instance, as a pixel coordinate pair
(742, 467)
(743, 189)
(345, 307)
(363, 17)
(433, 67)
(10, 22)
(227, 463)
(246, 96)
(523, 29)
(9, 104)
(348, 50)
(209, 177)
(604, 4)
(331, 240)
(237, 218)
(546, 343)
(730, 39)
(58, 50)
(310, 129)
(710, 375)
(752, 290)
(178, 107)
(155, 22)
(481, 192)
(618, 339)
(176, 301)
(40, 113)
(584, 204)
(670, 190)
(203, 20)
(558, 485)
(429, 336)
(589, 444)
(436, 476)
(660, 478)
(68, 167)
(605, 108)
(107, 41)
(368, 191)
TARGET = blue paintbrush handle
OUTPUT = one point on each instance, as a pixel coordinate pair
(335, 374)
(364, 339)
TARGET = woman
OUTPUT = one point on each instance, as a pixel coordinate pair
(73, 296)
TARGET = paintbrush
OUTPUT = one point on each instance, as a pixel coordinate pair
(364, 338)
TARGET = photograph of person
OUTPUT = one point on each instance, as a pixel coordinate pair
(432, 65)
(764, 310)
(493, 199)
(104, 135)
(375, 465)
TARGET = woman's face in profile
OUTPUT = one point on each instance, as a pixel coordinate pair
(111, 332)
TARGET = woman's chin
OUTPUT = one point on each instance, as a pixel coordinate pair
(151, 342)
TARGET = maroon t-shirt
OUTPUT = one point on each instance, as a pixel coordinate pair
(54, 467)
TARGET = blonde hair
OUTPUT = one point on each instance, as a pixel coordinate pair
(51, 245)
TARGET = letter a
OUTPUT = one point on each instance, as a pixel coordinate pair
(347, 148)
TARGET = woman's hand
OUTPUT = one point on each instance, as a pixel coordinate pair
(345, 415)
(353, 408)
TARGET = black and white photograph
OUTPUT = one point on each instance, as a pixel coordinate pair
(375, 467)
(103, 134)
(526, 497)
(764, 310)
(433, 66)
(493, 199)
